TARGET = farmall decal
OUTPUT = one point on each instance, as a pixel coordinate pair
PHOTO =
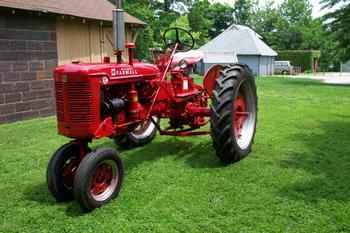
(124, 71)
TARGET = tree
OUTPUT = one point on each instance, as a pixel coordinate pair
(198, 13)
(268, 22)
(296, 12)
(288, 27)
(143, 10)
(222, 16)
(144, 42)
(313, 35)
(182, 22)
(157, 18)
(296, 16)
(338, 23)
(330, 55)
(243, 12)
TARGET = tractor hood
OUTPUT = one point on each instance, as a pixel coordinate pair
(112, 70)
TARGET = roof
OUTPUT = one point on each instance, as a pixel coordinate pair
(240, 40)
(91, 9)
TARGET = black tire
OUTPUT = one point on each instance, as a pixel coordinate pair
(138, 137)
(285, 72)
(57, 185)
(85, 176)
(233, 81)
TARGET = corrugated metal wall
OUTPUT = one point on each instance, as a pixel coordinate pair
(260, 65)
(266, 65)
(252, 61)
(86, 42)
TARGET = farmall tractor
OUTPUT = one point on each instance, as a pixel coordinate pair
(126, 100)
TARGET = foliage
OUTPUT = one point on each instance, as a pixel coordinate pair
(145, 39)
(330, 52)
(222, 17)
(297, 15)
(296, 12)
(338, 21)
(302, 58)
(181, 22)
(296, 179)
(199, 13)
(267, 21)
(243, 11)
(204, 19)
(288, 26)
(144, 42)
(162, 22)
(285, 27)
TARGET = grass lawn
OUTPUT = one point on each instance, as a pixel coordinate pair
(296, 180)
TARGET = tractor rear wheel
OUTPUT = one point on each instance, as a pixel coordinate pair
(98, 179)
(234, 113)
(142, 135)
(61, 171)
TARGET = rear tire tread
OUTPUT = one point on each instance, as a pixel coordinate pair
(221, 112)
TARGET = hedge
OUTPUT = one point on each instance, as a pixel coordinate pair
(302, 58)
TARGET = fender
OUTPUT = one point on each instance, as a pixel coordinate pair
(210, 77)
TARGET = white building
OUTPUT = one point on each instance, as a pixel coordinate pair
(242, 44)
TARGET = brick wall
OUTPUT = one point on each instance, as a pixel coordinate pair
(28, 54)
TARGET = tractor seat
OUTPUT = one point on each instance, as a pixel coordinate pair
(191, 57)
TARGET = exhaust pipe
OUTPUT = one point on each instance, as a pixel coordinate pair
(119, 26)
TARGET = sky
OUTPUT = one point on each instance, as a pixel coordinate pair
(316, 6)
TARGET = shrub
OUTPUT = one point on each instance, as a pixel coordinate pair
(301, 58)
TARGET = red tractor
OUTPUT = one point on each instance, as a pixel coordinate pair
(125, 101)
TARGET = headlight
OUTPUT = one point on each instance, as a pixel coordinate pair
(105, 80)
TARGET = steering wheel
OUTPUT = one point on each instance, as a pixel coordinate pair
(180, 36)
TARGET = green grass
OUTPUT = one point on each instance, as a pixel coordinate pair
(296, 180)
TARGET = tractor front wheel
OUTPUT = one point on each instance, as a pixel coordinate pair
(142, 135)
(98, 179)
(234, 113)
(61, 170)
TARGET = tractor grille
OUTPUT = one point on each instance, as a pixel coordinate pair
(59, 101)
(75, 102)
(80, 103)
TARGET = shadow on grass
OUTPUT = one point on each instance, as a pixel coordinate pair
(40, 194)
(327, 159)
(195, 155)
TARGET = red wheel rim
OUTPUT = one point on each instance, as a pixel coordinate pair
(142, 127)
(69, 169)
(145, 129)
(241, 115)
(104, 180)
